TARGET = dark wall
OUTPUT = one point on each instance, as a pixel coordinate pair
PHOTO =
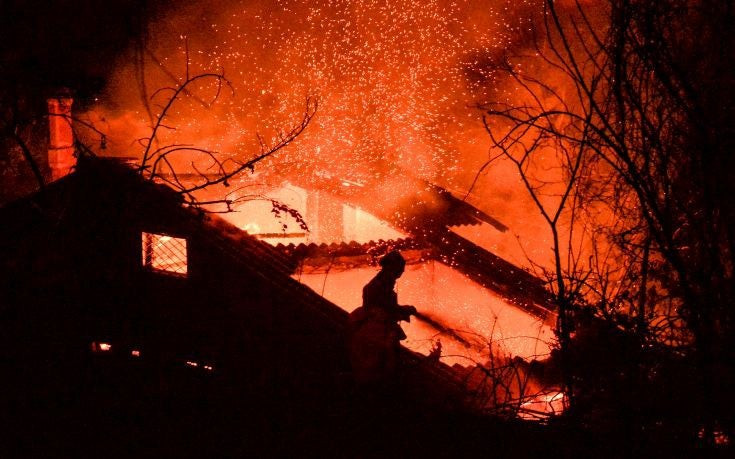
(72, 274)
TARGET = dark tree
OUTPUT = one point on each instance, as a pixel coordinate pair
(633, 101)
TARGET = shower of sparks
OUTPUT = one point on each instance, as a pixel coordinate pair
(396, 80)
(398, 83)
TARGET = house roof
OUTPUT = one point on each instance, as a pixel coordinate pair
(373, 250)
(427, 212)
(100, 182)
(416, 203)
(99, 179)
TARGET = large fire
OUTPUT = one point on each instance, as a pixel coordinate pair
(396, 82)
(479, 316)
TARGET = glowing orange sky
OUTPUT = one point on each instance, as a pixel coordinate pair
(396, 82)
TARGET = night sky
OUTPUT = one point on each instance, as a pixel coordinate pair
(67, 43)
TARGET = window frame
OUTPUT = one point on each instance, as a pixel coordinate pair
(149, 253)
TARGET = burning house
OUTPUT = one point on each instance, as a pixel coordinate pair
(161, 295)
(461, 283)
(478, 311)
(364, 175)
(125, 297)
(111, 289)
(121, 292)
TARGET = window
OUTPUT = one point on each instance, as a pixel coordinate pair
(98, 346)
(165, 253)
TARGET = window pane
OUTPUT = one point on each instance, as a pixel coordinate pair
(164, 253)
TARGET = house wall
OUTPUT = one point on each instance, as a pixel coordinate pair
(477, 313)
(328, 217)
(73, 275)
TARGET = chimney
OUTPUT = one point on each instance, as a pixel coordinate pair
(61, 136)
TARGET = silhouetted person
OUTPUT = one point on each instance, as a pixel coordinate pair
(375, 333)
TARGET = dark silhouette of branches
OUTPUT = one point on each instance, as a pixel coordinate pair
(15, 121)
(17, 124)
(156, 162)
(27, 155)
(630, 110)
(176, 92)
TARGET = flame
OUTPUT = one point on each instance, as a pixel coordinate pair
(542, 405)
(476, 314)
(396, 82)
(101, 346)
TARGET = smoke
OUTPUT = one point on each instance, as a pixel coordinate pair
(398, 83)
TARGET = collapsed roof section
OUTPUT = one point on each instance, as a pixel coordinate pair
(352, 223)
(426, 213)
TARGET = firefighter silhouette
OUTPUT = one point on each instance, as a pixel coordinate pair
(375, 332)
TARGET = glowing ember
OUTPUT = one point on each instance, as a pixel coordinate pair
(101, 347)
(721, 438)
(543, 405)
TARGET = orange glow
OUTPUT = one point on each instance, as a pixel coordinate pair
(394, 81)
(164, 253)
(477, 314)
(61, 137)
(492, 331)
(329, 219)
(135, 353)
(721, 438)
(542, 405)
(101, 347)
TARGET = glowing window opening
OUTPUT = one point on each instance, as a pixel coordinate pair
(165, 253)
(100, 347)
